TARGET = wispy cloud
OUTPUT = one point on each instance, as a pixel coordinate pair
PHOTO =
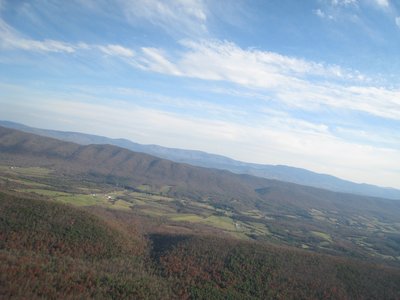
(319, 13)
(216, 60)
(322, 14)
(12, 40)
(176, 17)
(155, 60)
(117, 50)
(345, 2)
(173, 16)
(382, 3)
(397, 21)
(297, 82)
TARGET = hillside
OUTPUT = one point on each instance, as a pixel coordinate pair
(51, 250)
(54, 251)
(132, 169)
(243, 206)
(203, 159)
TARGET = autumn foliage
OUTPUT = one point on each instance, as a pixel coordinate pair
(54, 251)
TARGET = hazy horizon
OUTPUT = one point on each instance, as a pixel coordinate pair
(313, 85)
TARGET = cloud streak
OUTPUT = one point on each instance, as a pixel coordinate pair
(10, 39)
(117, 50)
(382, 3)
(296, 82)
(183, 16)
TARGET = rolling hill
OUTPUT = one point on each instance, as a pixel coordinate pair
(131, 169)
(290, 210)
(138, 226)
(51, 250)
(203, 159)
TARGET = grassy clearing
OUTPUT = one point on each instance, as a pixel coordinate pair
(144, 188)
(220, 222)
(26, 182)
(259, 228)
(203, 205)
(90, 200)
(31, 171)
(152, 212)
(322, 235)
(121, 204)
(137, 202)
(187, 218)
(149, 197)
(165, 189)
(86, 190)
(43, 192)
(256, 214)
(81, 200)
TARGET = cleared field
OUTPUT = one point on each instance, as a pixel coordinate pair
(187, 218)
(25, 182)
(31, 171)
(373, 234)
(44, 192)
(322, 235)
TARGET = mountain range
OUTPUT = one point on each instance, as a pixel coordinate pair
(241, 204)
(203, 159)
(130, 169)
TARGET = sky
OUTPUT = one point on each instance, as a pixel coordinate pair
(313, 84)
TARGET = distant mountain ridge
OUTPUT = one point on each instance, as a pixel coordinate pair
(203, 159)
(241, 192)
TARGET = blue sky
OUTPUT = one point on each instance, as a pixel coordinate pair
(312, 84)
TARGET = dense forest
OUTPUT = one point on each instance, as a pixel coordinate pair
(53, 250)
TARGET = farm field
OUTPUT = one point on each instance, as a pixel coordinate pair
(320, 231)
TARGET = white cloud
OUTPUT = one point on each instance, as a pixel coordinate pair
(375, 101)
(345, 2)
(382, 3)
(397, 21)
(117, 50)
(323, 15)
(293, 81)
(214, 60)
(319, 13)
(12, 40)
(174, 16)
(154, 59)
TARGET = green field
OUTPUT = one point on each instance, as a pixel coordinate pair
(364, 235)
(322, 235)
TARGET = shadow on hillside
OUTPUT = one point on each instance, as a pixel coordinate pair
(162, 243)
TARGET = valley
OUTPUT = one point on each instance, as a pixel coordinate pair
(326, 231)
(100, 221)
